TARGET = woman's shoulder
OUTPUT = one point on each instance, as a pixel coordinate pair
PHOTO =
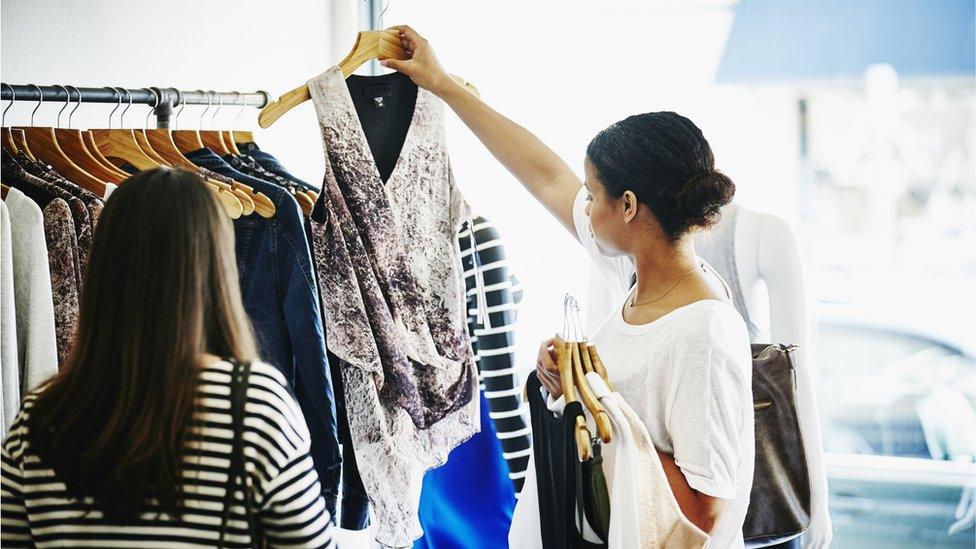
(17, 439)
(266, 388)
(265, 382)
(711, 323)
(707, 314)
(259, 369)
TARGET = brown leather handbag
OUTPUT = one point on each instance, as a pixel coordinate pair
(779, 509)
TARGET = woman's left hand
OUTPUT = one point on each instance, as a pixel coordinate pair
(547, 370)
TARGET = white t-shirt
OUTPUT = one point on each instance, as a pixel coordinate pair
(644, 512)
(688, 375)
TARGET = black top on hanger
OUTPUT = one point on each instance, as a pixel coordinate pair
(385, 106)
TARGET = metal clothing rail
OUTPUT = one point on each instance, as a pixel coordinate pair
(163, 100)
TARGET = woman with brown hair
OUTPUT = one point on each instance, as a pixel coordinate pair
(131, 444)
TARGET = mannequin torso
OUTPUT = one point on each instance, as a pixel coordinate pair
(764, 268)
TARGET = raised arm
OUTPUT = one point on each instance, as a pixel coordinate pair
(534, 164)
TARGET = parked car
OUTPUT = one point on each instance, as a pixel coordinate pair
(899, 427)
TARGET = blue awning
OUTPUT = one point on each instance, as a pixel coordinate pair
(796, 40)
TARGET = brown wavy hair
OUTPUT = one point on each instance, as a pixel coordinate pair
(161, 291)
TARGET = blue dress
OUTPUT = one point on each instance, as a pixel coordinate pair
(468, 501)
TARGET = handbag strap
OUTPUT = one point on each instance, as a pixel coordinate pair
(237, 473)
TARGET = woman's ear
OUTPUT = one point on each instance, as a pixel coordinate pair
(630, 205)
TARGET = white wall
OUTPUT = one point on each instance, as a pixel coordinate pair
(243, 45)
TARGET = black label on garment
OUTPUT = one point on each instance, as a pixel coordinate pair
(378, 94)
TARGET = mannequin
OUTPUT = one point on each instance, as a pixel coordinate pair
(764, 269)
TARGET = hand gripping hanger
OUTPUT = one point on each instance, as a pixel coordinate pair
(591, 360)
(577, 347)
(369, 45)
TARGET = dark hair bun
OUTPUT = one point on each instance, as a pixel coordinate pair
(702, 198)
(654, 155)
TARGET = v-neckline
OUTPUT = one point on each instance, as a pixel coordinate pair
(340, 81)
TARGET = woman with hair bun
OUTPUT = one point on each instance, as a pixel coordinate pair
(675, 348)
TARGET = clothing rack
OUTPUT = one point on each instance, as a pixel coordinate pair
(161, 99)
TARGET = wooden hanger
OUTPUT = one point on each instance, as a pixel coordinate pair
(305, 202)
(73, 144)
(564, 361)
(227, 136)
(44, 145)
(171, 157)
(230, 203)
(147, 147)
(212, 138)
(213, 141)
(162, 141)
(122, 145)
(600, 416)
(3, 191)
(8, 141)
(592, 363)
(383, 44)
(233, 137)
(186, 140)
(242, 136)
(81, 144)
(21, 140)
(89, 140)
(158, 143)
(573, 321)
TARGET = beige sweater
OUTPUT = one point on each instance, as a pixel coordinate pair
(37, 351)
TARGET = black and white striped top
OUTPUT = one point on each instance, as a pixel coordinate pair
(36, 510)
(493, 340)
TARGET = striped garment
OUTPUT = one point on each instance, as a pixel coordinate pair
(494, 341)
(289, 507)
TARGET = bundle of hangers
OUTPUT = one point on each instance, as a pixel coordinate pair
(94, 159)
(576, 358)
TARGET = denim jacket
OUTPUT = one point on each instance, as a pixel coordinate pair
(280, 295)
(270, 163)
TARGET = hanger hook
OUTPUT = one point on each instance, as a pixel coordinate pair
(379, 20)
(565, 334)
(78, 104)
(66, 101)
(220, 105)
(577, 319)
(209, 104)
(111, 114)
(153, 107)
(13, 97)
(126, 109)
(181, 100)
(39, 101)
(241, 111)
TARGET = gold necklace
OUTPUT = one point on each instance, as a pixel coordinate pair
(633, 300)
